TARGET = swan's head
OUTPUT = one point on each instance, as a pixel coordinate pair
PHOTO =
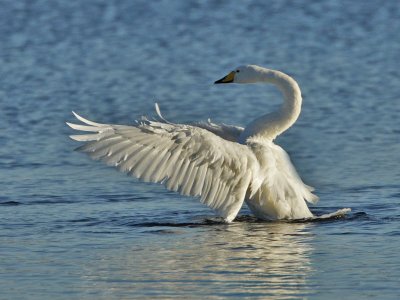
(244, 74)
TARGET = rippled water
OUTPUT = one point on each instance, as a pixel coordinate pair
(71, 228)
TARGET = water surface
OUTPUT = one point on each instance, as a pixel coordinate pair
(71, 228)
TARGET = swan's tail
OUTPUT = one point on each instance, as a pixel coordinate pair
(338, 213)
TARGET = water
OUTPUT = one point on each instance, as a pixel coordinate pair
(71, 228)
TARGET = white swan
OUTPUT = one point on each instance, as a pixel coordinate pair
(223, 165)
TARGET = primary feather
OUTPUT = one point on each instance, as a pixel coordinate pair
(187, 159)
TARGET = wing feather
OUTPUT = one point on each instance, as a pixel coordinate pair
(187, 159)
(227, 132)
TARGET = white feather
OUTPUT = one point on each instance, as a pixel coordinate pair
(224, 165)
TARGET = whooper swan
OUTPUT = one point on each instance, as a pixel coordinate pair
(223, 165)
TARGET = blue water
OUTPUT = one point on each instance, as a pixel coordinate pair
(71, 228)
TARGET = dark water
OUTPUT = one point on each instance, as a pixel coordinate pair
(71, 228)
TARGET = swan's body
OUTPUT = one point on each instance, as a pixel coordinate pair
(223, 165)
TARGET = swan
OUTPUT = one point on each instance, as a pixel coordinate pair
(223, 165)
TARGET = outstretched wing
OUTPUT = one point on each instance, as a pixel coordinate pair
(227, 132)
(187, 159)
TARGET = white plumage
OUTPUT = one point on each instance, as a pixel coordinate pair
(223, 165)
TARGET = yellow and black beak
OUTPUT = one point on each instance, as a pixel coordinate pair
(227, 79)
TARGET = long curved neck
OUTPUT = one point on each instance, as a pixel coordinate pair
(271, 125)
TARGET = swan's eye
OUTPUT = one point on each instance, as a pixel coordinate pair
(237, 71)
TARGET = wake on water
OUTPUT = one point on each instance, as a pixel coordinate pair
(213, 221)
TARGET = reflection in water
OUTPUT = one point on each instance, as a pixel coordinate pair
(254, 260)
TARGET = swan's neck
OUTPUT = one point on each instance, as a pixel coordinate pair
(271, 125)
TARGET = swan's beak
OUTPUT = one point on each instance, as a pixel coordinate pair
(227, 79)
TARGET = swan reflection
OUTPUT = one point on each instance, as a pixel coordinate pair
(255, 260)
